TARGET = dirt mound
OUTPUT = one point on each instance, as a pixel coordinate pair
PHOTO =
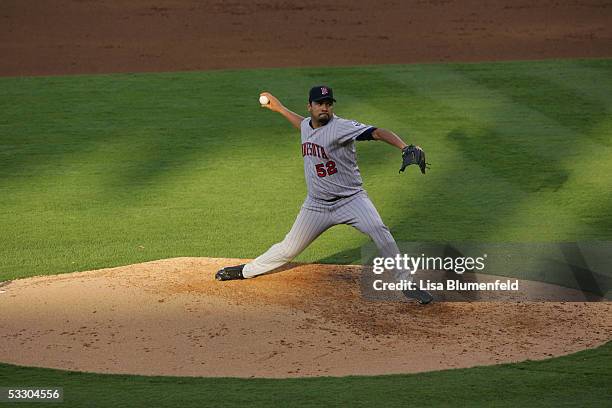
(170, 317)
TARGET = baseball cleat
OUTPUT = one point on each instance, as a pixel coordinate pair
(421, 296)
(230, 273)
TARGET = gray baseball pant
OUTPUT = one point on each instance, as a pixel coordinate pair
(314, 218)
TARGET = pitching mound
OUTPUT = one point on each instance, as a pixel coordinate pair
(170, 317)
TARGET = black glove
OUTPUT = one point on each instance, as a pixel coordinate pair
(413, 155)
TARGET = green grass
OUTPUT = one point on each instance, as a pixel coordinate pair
(98, 171)
(579, 380)
(106, 170)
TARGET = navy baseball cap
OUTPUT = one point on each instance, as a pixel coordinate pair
(320, 93)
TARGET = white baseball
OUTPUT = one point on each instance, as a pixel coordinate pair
(263, 99)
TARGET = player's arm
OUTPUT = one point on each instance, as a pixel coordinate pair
(389, 137)
(276, 106)
(410, 154)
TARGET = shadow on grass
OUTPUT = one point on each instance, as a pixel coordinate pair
(512, 161)
(586, 279)
(544, 90)
(351, 256)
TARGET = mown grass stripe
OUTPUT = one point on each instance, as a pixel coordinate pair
(93, 168)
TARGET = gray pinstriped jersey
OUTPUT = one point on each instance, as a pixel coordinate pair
(330, 158)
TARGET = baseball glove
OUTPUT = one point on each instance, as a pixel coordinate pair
(413, 155)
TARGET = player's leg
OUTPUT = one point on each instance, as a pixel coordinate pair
(311, 222)
(360, 213)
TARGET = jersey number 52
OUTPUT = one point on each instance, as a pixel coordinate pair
(326, 169)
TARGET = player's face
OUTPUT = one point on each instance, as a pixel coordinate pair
(321, 111)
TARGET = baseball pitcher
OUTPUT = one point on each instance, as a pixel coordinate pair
(335, 191)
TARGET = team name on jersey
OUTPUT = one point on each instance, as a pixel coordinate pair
(313, 149)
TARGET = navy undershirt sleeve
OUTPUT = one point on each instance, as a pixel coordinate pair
(366, 135)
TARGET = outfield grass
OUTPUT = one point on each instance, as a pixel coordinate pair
(99, 171)
(579, 380)
(106, 170)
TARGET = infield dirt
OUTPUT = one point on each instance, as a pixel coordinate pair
(80, 36)
(171, 317)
